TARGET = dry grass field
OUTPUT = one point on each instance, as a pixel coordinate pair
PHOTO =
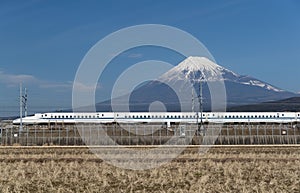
(222, 169)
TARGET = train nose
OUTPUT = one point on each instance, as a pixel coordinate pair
(16, 121)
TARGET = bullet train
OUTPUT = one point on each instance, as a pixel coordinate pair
(160, 117)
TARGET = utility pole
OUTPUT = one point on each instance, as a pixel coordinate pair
(21, 109)
(193, 101)
(200, 98)
(23, 104)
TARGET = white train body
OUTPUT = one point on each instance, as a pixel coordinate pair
(161, 117)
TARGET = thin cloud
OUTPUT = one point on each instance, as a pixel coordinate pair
(16, 79)
(85, 88)
(13, 80)
(56, 85)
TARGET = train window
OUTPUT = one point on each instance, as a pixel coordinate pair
(213, 115)
(148, 116)
(46, 115)
(283, 115)
(51, 116)
(102, 115)
(59, 117)
(179, 116)
(229, 116)
(125, 117)
(67, 116)
(42, 116)
(55, 116)
(145, 116)
(132, 116)
(171, 117)
(117, 115)
(225, 116)
(255, 116)
(175, 116)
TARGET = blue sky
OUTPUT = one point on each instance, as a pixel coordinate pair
(43, 42)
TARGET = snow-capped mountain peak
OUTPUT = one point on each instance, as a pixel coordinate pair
(194, 68)
(198, 63)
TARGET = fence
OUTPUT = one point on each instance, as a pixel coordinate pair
(149, 134)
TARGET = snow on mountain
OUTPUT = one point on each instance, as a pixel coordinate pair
(193, 68)
(173, 88)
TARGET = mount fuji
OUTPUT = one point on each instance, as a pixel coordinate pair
(240, 89)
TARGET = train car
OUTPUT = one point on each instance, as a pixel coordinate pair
(161, 117)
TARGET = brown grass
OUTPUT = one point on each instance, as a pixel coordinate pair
(52, 169)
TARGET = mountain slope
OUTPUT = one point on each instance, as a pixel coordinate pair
(194, 67)
(290, 104)
(240, 90)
